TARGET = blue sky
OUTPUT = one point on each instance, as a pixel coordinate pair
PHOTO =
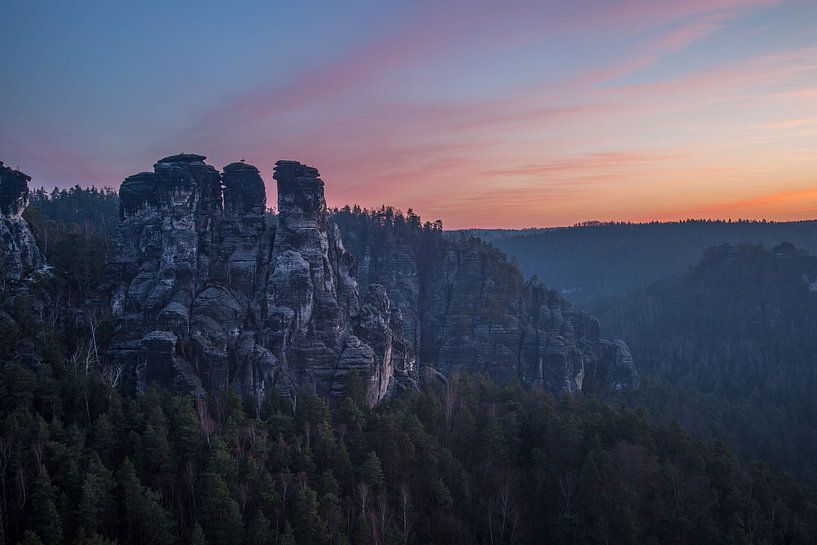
(478, 113)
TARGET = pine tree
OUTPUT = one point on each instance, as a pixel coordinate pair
(45, 520)
(310, 528)
(218, 512)
(147, 521)
(97, 504)
(30, 538)
(157, 455)
(354, 389)
(363, 531)
(288, 537)
(259, 531)
(186, 430)
(372, 473)
(83, 538)
(197, 535)
(104, 440)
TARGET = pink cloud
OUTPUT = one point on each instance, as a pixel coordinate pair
(584, 163)
(523, 157)
(429, 33)
(69, 164)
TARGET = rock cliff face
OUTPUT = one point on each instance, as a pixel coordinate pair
(20, 257)
(214, 294)
(464, 307)
(211, 295)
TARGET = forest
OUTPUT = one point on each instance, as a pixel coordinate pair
(462, 460)
(592, 260)
(465, 461)
(730, 349)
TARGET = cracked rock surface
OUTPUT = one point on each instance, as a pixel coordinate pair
(212, 293)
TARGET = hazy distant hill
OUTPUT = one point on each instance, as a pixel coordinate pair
(595, 260)
(735, 338)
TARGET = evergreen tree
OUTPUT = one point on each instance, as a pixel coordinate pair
(354, 390)
(97, 507)
(30, 538)
(372, 473)
(147, 521)
(45, 519)
(219, 513)
(259, 531)
(197, 535)
(288, 537)
(309, 526)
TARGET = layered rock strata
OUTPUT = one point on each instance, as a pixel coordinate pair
(465, 307)
(20, 258)
(213, 293)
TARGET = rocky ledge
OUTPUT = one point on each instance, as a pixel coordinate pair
(214, 294)
(20, 258)
(465, 307)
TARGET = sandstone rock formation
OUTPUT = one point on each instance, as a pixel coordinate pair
(465, 307)
(20, 257)
(211, 295)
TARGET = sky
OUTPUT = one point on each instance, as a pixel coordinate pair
(482, 114)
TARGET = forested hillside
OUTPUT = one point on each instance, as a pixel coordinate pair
(459, 461)
(464, 462)
(731, 349)
(594, 259)
(465, 306)
(76, 230)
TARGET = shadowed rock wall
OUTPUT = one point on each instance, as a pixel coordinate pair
(19, 255)
(210, 296)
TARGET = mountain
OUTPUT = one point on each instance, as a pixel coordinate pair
(732, 345)
(466, 308)
(209, 295)
(170, 385)
(595, 259)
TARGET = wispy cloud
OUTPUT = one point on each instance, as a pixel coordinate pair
(577, 111)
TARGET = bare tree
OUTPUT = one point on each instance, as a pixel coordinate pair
(37, 453)
(208, 425)
(284, 477)
(450, 399)
(111, 375)
(190, 481)
(567, 487)
(505, 516)
(504, 502)
(363, 497)
(293, 401)
(6, 446)
(405, 510)
(93, 325)
(22, 488)
(383, 519)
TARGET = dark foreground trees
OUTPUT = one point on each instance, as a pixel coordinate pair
(460, 463)
(467, 462)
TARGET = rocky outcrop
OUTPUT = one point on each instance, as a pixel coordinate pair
(211, 295)
(20, 258)
(465, 307)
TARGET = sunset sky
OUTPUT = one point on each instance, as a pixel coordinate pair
(489, 114)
